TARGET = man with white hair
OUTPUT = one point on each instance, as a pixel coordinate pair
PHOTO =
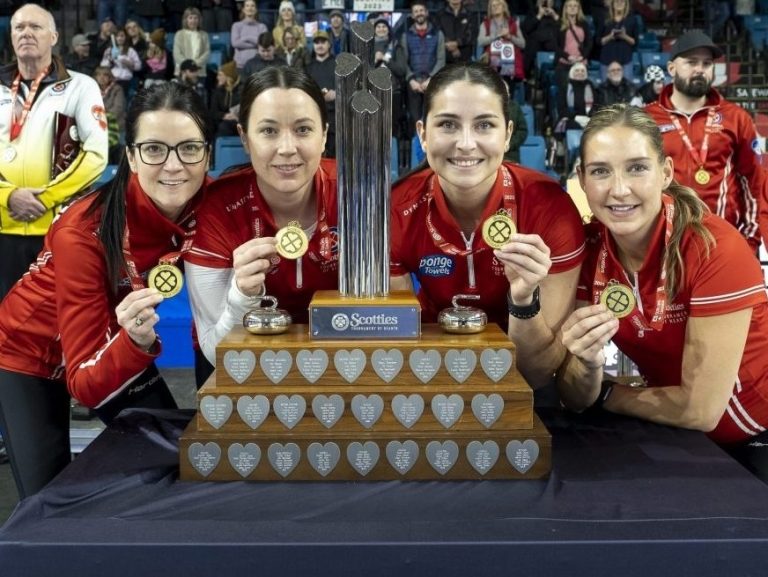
(36, 93)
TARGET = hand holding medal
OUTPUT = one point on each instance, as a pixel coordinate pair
(618, 299)
(292, 241)
(586, 332)
(136, 315)
(526, 264)
(251, 261)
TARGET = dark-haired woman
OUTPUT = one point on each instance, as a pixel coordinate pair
(81, 322)
(283, 124)
(677, 289)
(527, 285)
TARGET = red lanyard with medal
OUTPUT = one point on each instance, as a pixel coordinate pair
(18, 123)
(497, 229)
(619, 298)
(165, 277)
(701, 176)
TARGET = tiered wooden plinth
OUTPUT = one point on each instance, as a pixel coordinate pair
(441, 407)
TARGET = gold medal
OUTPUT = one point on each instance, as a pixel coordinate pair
(498, 229)
(619, 299)
(292, 241)
(702, 176)
(166, 279)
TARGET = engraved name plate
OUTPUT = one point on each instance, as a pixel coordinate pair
(487, 409)
(253, 410)
(407, 410)
(349, 364)
(402, 456)
(275, 365)
(363, 456)
(496, 364)
(204, 458)
(312, 364)
(323, 458)
(283, 458)
(289, 410)
(387, 364)
(442, 456)
(523, 456)
(460, 364)
(367, 410)
(239, 365)
(482, 456)
(244, 458)
(447, 410)
(216, 410)
(328, 410)
(424, 364)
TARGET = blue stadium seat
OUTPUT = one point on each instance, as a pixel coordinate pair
(533, 153)
(395, 160)
(648, 42)
(762, 6)
(545, 64)
(758, 39)
(417, 154)
(228, 152)
(637, 65)
(215, 60)
(756, 22)
(169, 41)
(657, 58)
(107, 175)
(221, 41)
(572, 143)
(528, 113)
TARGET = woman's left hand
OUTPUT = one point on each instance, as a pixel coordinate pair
(526, 263)
(136, 315)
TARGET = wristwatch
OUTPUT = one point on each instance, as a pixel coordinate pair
(527, 311)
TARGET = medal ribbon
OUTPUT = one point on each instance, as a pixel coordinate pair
(509, 204)
(326, 244)
(700, 157)
(172, 257)
(601, 280)
(18, 124)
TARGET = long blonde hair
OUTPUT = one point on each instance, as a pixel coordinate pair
(506, 13)
(689, 208)
(580, 18)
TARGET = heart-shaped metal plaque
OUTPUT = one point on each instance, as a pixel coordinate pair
(487, 409)
(244, 459)
(216, 410)
(496, 364)
(367, 410)
(363, 456)
(312, 364)
(402, 456)
(289, 410)
(283, 458)
(328, 410)
(253, 410)
(239, 365)
(275, 365)
(523, 456)
(442, 456)
(407, 410)
(460, 364)
(424, 364)
(349, 364)
(447, 410)
(482, 456)
(204, 458)
(323, 458)
(387, 364)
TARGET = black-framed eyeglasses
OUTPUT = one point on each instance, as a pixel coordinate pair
(188, 152)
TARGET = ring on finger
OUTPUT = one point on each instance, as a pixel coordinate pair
(138, 321)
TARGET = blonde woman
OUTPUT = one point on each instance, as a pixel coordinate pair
(499, 24)
(574, 43)
(286, 20)
(191, 42)
(617, 36)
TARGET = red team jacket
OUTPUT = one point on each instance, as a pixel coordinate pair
(59, 320)
(736, 185)
(729, 280)
(543, 208)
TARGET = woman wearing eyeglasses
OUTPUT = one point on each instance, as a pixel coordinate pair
(284, 125)
(81, 321)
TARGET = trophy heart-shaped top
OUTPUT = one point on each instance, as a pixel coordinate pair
(239, 365)
(387, 364)
(424, 364)
(275, 365)
(349, 364)
(312, 364)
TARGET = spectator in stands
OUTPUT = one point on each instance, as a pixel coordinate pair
(218, 15)
(286, 19)
(234, 260)
(541, 29)
(137, 37)
(389, 52)
(424, 48)
(575, 99)
(80, 59)
(190, 77)
(713, 142)
(654, 84)
(460, 28)
(122, 59)
(519, 131)
(191, 41)
(498, 29)
(440, 210)
(617, 37)
(150, 13)
(114, 103)
(616, 89)
(320, 68)
(266, 56)
(574, 43)
(698, 330)
(225, 101)
(338, 33)
(292, 52)
(82, 322)
(114, 9)
(158, 64)
(246, 34)
(103, 39)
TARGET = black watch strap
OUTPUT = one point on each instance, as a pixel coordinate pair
(527, 311)
(605, 391)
